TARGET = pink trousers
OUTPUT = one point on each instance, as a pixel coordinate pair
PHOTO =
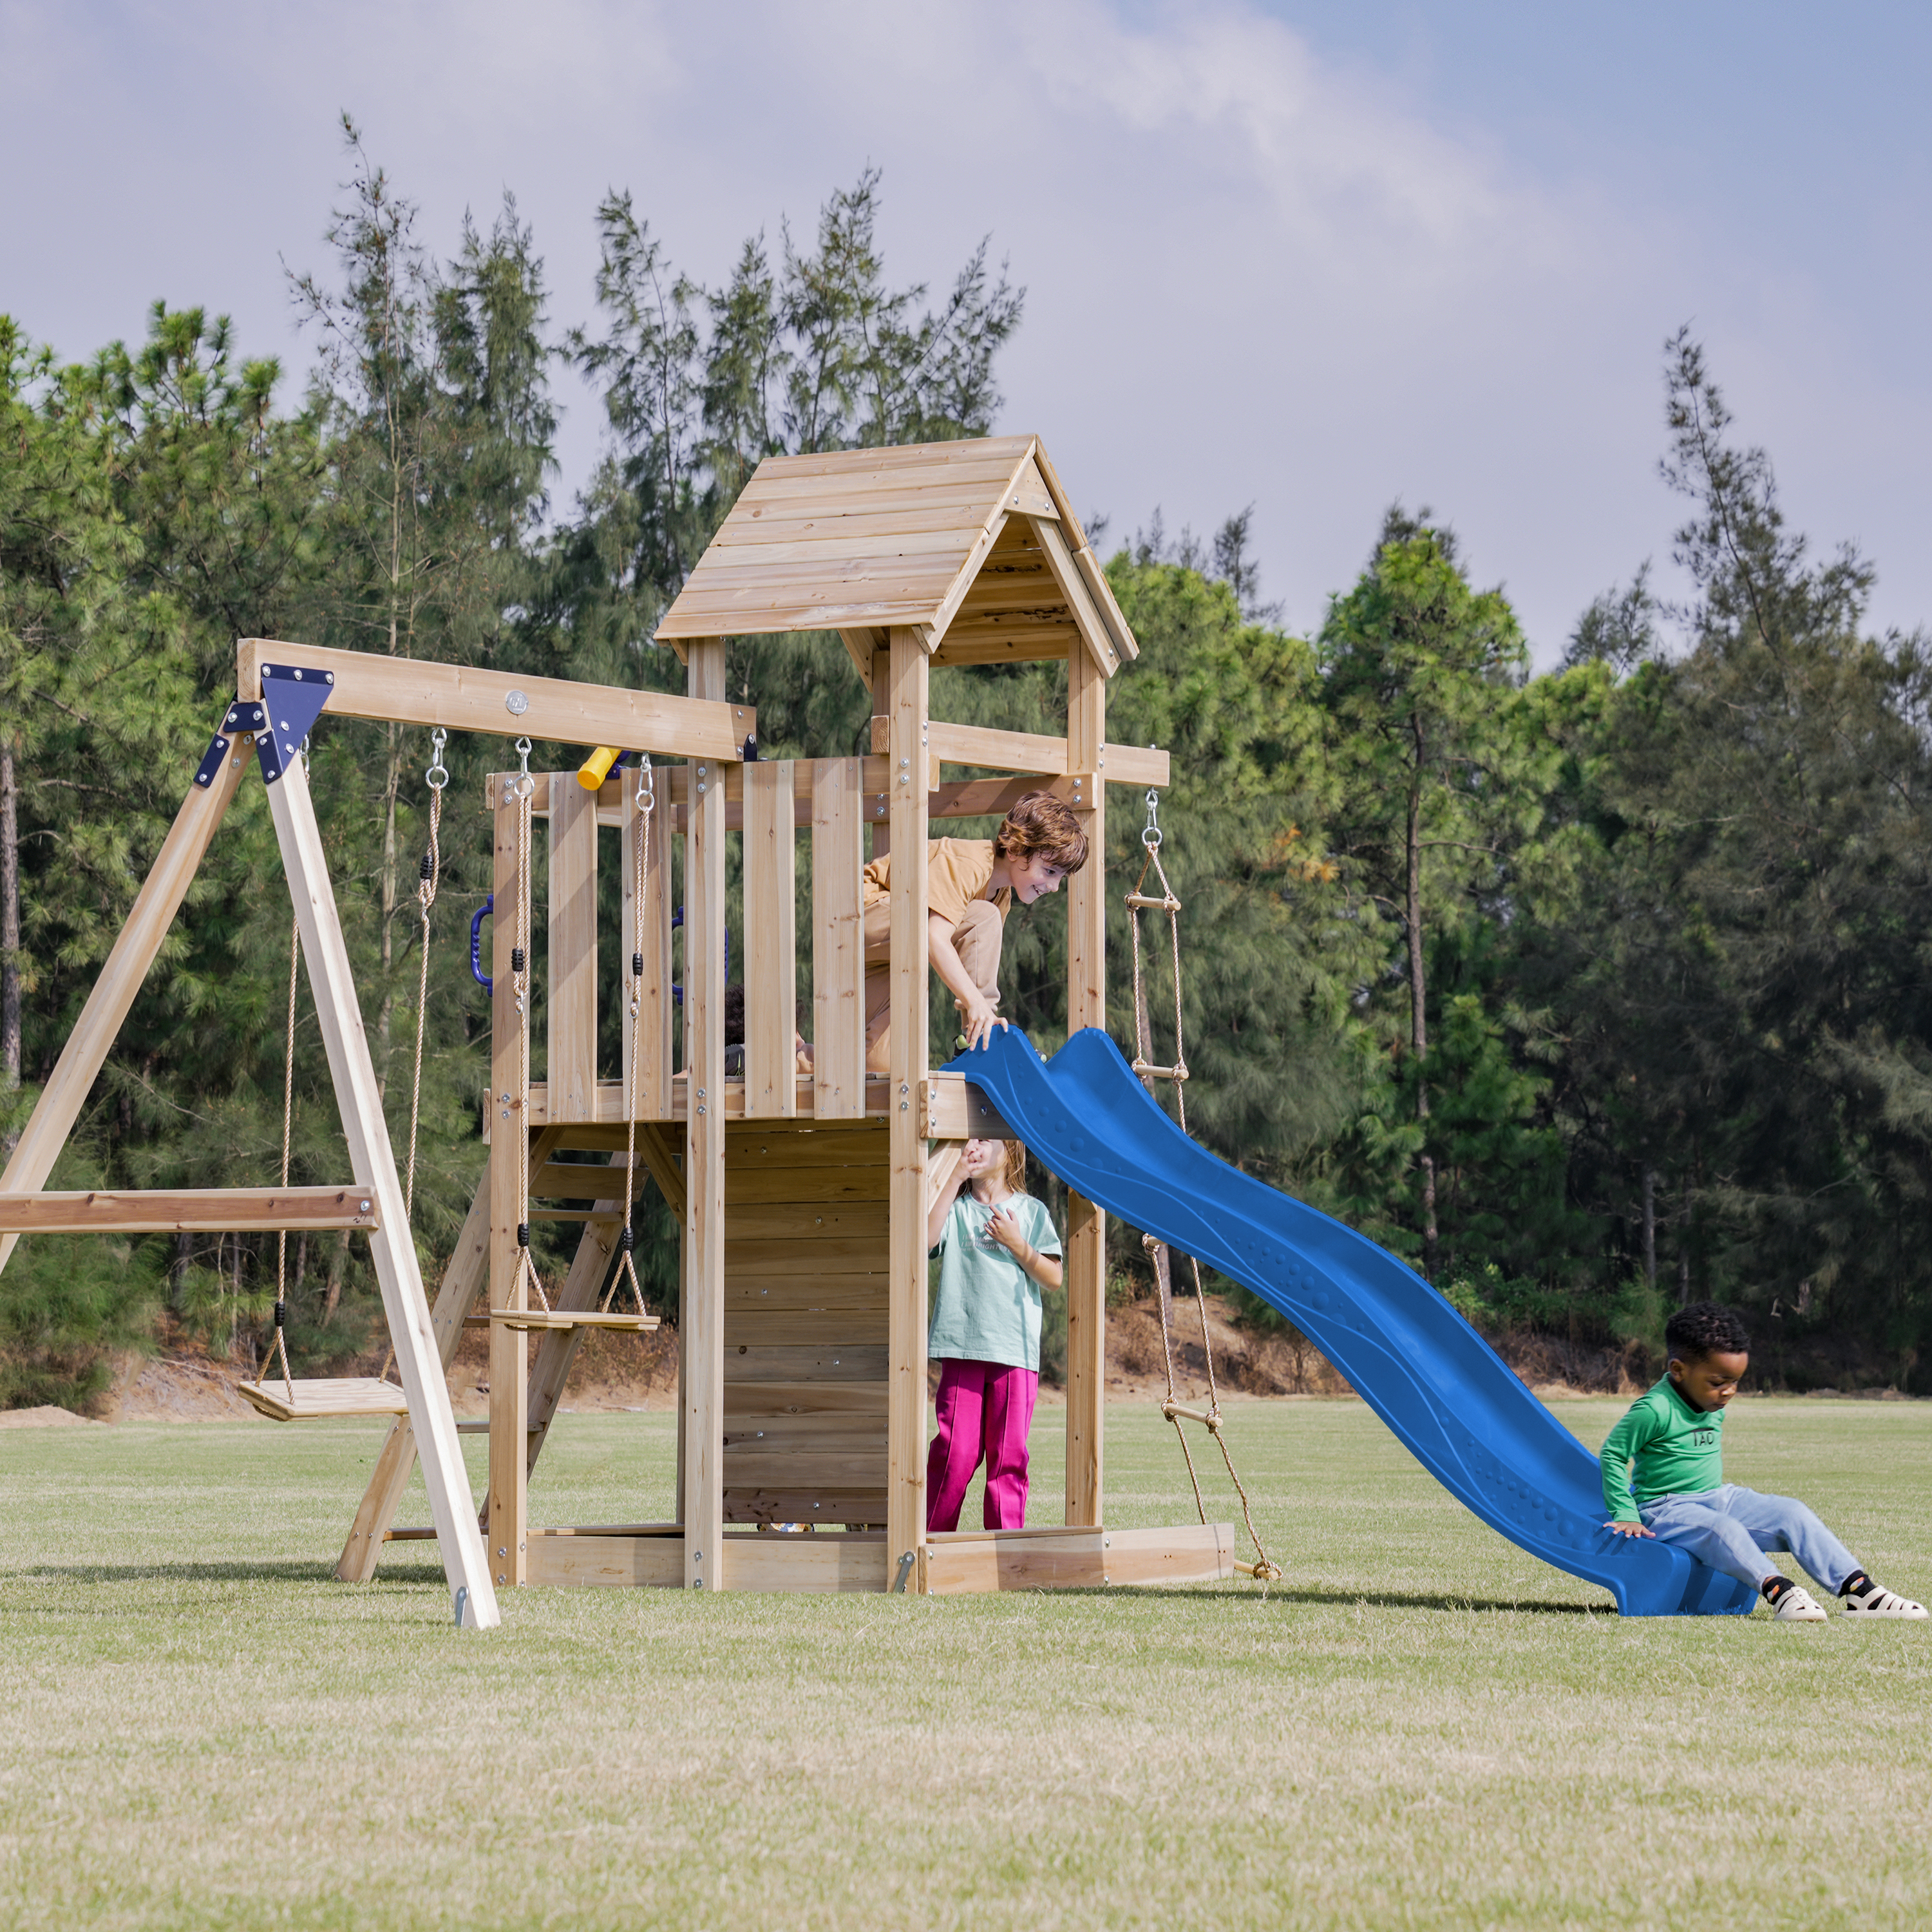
(985, 1409)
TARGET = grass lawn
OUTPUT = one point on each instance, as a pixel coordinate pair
(1423, 1727)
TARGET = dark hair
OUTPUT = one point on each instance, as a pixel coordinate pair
(1705, 1328)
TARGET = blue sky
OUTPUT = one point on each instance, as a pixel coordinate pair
(1303, 254)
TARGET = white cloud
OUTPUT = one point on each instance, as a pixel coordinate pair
(1251, 277)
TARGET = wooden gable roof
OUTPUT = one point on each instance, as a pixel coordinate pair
(974, 545)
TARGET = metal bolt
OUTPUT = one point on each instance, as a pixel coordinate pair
(365, 1206)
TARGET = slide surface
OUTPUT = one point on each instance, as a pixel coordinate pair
(1455, 1404)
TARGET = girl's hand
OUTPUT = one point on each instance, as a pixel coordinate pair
(1630, 1529)
(1001, 1226)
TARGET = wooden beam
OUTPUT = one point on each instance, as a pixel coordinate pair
(860, 642)
(182, 1210)
(360, 1099)
(468, 1267)
(1086, 1270)
(572, 988)
(1092, 626)
(952, 1108)
(838, 939)
(462, 698)
(701, 1324)
(148, 919)
(770, 854)
(1034, 752)
(907, 710)
(965, 1561)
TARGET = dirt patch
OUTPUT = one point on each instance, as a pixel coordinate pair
(1245, 1362)
(46, 1416)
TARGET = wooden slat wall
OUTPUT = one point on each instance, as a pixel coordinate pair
(572, 987)
(771, 935)
(805, 1392)
(838, 937)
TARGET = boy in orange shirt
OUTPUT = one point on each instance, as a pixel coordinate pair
(970, 885)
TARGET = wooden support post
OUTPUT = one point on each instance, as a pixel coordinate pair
(701, 1332)
(390, 1246)
(114, 992)
(653, 992)
(771, 942)
(905, 690)
(509, 1147)
(1086, 1006)
(838, 939)
(571, 987)
(468, 1267)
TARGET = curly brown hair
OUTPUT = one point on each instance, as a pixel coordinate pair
(1040, 823)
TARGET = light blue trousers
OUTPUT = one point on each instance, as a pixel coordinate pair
(1727, 1528)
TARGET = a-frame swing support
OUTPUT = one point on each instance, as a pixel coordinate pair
(353, 686)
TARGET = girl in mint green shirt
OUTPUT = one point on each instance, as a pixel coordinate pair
(997, 1248)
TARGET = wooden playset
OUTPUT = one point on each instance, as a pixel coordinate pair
(802, 1197)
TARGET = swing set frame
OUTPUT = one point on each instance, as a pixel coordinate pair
(802, 1200)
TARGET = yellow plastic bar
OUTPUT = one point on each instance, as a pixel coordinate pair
(596, 768)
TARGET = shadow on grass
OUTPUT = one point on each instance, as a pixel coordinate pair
(314, 1571)
(1290, 1593)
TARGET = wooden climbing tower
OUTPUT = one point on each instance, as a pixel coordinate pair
(802, 1198)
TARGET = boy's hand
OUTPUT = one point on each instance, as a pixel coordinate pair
(1628, 1528)
(980, 1021)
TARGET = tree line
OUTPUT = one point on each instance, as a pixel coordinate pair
(1587, 992)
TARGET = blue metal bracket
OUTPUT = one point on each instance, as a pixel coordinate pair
(240, 717)
(294, 699)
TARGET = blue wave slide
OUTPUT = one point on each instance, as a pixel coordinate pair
(1456, 1405)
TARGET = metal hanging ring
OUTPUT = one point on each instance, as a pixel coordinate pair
(647, 789)
(526, 785)
(435, 778)
(1150, 835)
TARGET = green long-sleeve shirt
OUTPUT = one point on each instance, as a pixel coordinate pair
(1676, 1450)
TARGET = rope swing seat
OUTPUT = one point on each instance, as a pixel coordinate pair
(545, 1315)
(330, 1398)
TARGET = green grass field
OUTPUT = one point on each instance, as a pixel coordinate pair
(1422, 1727)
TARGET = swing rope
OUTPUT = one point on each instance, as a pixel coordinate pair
(1264, 1569)
(645, 804)
(525, 787)
(429, 877)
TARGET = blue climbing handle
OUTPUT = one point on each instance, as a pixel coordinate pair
(476, 972)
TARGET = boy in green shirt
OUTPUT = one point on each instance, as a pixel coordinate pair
(1671, 1437)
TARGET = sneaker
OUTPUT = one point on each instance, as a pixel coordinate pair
(1875, 1601)
(1797, 1605)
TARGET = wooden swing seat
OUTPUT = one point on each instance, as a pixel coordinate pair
(320, 1398)
(572, 1318)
